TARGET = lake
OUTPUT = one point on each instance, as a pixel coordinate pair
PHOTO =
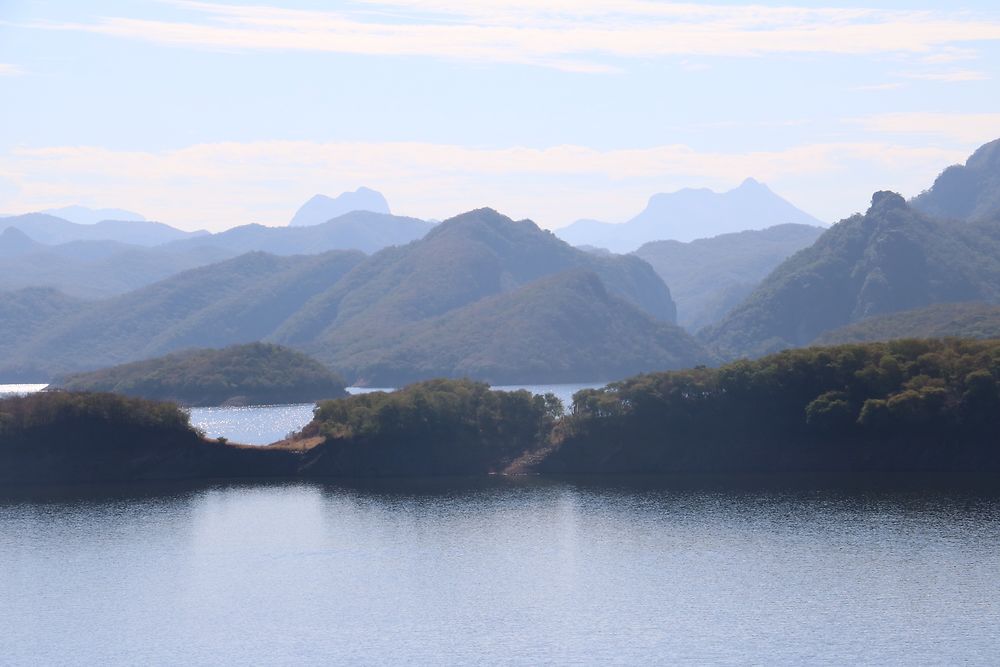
(498, 571)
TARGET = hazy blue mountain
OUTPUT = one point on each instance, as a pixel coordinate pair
(942, 320)
(240, 300)
(357, 230)
(89, 216)
(24, 316)
(967, 192)
(691, 214)
(890, 259)
(52, 230)
(14, 242)
(464, 259)
(94, 269)
(562, 328)
(708, 277)
(350, 311)
(321, 208)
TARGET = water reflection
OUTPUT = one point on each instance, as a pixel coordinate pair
(522, 570)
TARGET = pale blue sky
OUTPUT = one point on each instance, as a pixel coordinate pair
(212, 114)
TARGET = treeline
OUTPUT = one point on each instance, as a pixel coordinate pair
(909, 405)
(901, 405)
(438, 427)
(60, 437)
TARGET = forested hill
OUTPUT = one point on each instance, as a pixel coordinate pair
(562, 328)
(462, 260)
(967, 192)
(252, 374)
(892, 258)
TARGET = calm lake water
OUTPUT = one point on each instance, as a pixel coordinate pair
(498, 571)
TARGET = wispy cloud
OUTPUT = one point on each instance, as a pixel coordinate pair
(584, 35)
(6, 69)
(224, 184)
(875, 87)
(951, 76)
(969, 128)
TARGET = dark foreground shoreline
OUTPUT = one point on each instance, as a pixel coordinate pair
(907, 409)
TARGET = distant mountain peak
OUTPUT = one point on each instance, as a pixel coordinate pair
(986, 156)
(692, 213)
(751, 183)
(321, 208)
(886, 199)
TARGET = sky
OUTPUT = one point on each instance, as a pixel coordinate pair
(215, 114)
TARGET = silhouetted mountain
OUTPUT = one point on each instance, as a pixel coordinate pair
(52, 230)
(691, 214)
(89, 216)
(942, 320)
(892, 258)
(358, 230)
(321, 208)
(967, 192)
(251, 374)
(562, 328)
(708, 277)
(240, 300)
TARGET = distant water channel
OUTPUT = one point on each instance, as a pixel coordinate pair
(263, 424)
(497, 571)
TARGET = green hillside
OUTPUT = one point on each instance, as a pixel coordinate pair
(562, 328)
(943, 320)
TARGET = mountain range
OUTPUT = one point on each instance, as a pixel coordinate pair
(690, 214)
(83, 215)
(50, 229)
(106, 267)
(500, 300)
(942, 247)
(358, 314)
